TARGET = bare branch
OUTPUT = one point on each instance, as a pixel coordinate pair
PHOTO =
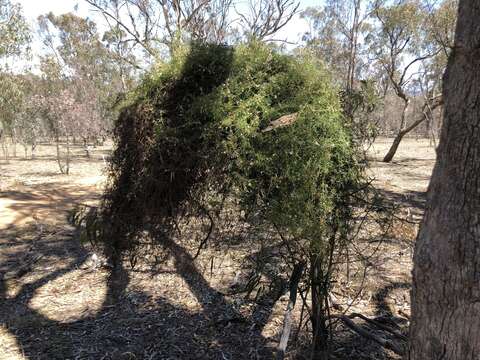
(267, 17)
(388, 344)
(119, 22)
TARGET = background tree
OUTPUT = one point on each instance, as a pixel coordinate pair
(405, 49)
(445, 306)
(14, 31)
(266, 17)
(125, 61)
(399, 49)
(155, 26)
(83, 80)
(336, 36)
(28, 124)
(14, 41)
(11, 100)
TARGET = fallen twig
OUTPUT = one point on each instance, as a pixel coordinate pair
(388, 344)
(379, 325)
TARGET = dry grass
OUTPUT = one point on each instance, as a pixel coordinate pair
(56, 305)
(409, 170)
(35, 189)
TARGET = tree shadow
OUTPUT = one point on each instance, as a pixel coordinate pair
(382, 307)
(350, 345)
(217, 308)
(38, 336)
(415, 200)
(43, 201)
(126, 325)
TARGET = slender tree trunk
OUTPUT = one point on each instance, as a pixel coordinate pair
(406, 129)
(67, 166)
(86, 147)
(352, 57)
(287, 322)
(401, 133)
(353, 45)
(446, 276)
(59, 155)
(14, 143)
(34, 146)
(5, 149)
(319, 311)
(394, 147)
(14, 147)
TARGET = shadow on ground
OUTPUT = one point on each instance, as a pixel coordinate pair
(412, 200)
(128, 324)
(44, 201)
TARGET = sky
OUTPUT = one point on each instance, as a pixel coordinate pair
(33, 8)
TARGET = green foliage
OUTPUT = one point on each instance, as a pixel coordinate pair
(400, 34)
(14, 40)
(206, 123)
(80, 63)
(14, 31)
(358, 105)
(11, 97)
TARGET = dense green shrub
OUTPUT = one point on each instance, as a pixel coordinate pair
(245, 123)
(197, 122)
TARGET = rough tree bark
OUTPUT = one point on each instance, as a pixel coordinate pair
(446, 276)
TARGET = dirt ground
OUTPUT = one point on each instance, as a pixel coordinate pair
(56, 303)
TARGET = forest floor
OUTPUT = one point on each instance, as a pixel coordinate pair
(56, 303)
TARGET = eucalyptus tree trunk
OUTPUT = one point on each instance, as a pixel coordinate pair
(319, 308)
(14, 142)
(401, 133)
(59, 156)
(67, 160)
(428, 107)
(446, 277)
(4, 141)
(34, 146)
(64, 168)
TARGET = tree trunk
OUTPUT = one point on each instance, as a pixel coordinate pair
(428, 106)
(401, 133)
(394, 147)
(86, 148)
(353, 44)
(446, 276)
(14, 147)
(34, 146)
(287, 323)
(5, 150)
(319, 311)
(67, 160)
(59, 156)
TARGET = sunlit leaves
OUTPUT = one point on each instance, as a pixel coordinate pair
(14, 31)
